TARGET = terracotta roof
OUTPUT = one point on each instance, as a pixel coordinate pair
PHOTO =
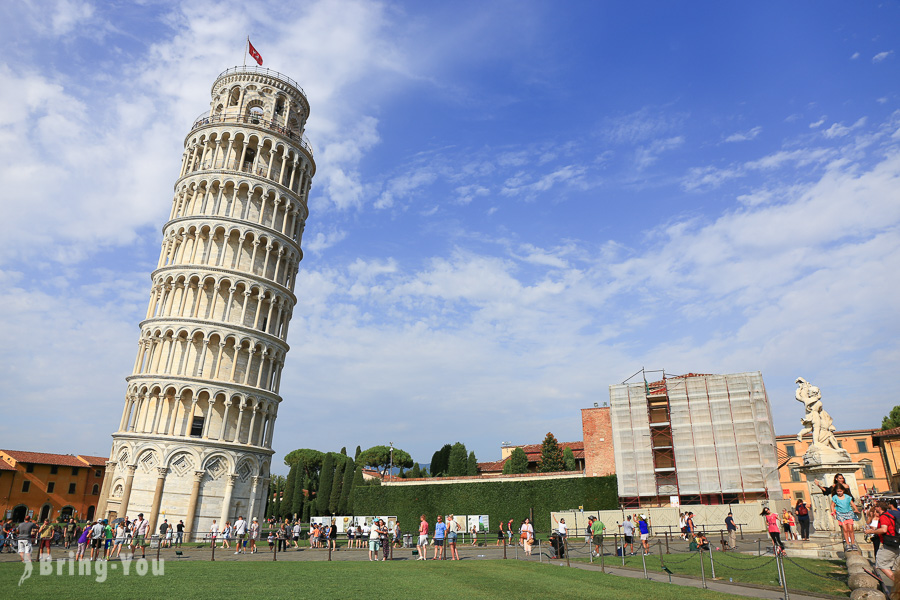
(789, 436)
(495, 466)
(5, 466)
(534, 450)
(887, 432)
(94, 461)
(43, 458)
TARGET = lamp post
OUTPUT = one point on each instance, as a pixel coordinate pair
(391, 469)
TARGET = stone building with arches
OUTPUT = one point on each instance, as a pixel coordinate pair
(194, 441)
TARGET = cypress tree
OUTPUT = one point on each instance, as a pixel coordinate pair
(569, 460)
(416, 471)
(358, 478)
(307, 511)
(344, 450)
(472, 466)
(326, 478)
(287, 503)
(335, 498)
(346, 489)
(517, 462)
(358, 452)
(299, 499)
(457, 464)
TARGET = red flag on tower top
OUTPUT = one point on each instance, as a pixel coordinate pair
(256, 56)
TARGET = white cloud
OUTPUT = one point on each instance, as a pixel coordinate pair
(854, 56)
(642, 125)
(882, 56)
(743, 136)
(818, 123)
(647, 155)
(840, 130)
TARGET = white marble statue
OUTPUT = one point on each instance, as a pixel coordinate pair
(816, 421)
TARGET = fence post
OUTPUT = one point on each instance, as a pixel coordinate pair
(504, 548)
(644, 560)
(566, 547)
(702, 568)
(712, 565)
(659, 546)
(213, 558)
(275, 551)
(602, 562)
(623, 550)
(759, 547)
(667, 542)
(329, 550)
(779, 558)
(741, 525)
(540, 554)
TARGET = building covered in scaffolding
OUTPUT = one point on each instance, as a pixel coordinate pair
(694, 439)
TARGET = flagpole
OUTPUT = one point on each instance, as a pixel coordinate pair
(246, 46)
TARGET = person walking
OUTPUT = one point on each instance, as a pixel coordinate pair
(179, 533)
(774, 530)
(140, 531)
(802, 511)
(213, 534)
(70, 529)
(731, 528)
(422, 545)
(628, 533)
(118, 539)
(500, 536)
(887, 555)
(597, 529)
(254, 535)
(440, 531)
(83, 541)
(45, 536)
(282, 537)
(108, 535)
(527, 534)
(23, 534)
(374, 537)
(240, 532)
(97, 538)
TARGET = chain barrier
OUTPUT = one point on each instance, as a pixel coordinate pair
(802, 568)
(765, 564)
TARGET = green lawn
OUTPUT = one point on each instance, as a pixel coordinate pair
(745, 568)
(466, 579)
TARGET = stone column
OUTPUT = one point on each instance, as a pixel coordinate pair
(251, 511)
(104, 491)
(157, 497)
(824, 525)
(126, 493)
(226, 500)
(192, 504)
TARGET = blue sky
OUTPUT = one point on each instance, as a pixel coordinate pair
(517, 204)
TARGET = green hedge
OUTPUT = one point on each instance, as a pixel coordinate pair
(502, 500)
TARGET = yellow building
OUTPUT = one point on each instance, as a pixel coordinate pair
(889, 442)
(863, 447)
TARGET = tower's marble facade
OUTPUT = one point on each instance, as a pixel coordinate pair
(194, 442)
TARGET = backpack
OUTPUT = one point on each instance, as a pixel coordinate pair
(802, 510)
(890, 538)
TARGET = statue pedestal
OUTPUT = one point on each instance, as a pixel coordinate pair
(823, 464)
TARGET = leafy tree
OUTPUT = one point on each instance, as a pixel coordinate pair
(287, 500)
(569, 460)
(415, 472)
(551, 455)
(326, 478)
(344, 450)
(336, 484)
(356, 456)
(892, 419)
(346, 488)
(379, 457)
(472, 465)
(516, 463)
(458, 464)
(308, 459)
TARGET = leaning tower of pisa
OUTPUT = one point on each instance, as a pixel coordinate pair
(195, 438)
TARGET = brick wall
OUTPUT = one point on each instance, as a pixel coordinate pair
(596, 425)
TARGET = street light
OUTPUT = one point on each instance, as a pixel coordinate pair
(391, 469)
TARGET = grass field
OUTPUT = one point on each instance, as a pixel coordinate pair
(471, 580)
(750, 569)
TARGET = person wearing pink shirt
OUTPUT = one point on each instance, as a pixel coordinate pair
(423, 538)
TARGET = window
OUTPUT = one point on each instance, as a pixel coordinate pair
(197, 427)
(54, 469)
(795, 474)
(790, 450)
(98, 473)
(798, 495)
(95, 491)
(74, 470)
(840, 444)
(71, 488)
(861, 446)
(29, 468)
(868, 471)
(26, 485)
(50, 487)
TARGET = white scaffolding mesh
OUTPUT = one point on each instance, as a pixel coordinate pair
(722, 432)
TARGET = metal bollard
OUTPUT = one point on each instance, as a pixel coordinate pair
(540, 554)
(759, 547)
(602, 563)
(702, 569)
(780, 560)
(566, 547)
(667, 542)
(504, 549)
(213, 550)
(644, 560)
(623, 550)
(712, 565)
(742, 531)
(329, 550)
(275, 551)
